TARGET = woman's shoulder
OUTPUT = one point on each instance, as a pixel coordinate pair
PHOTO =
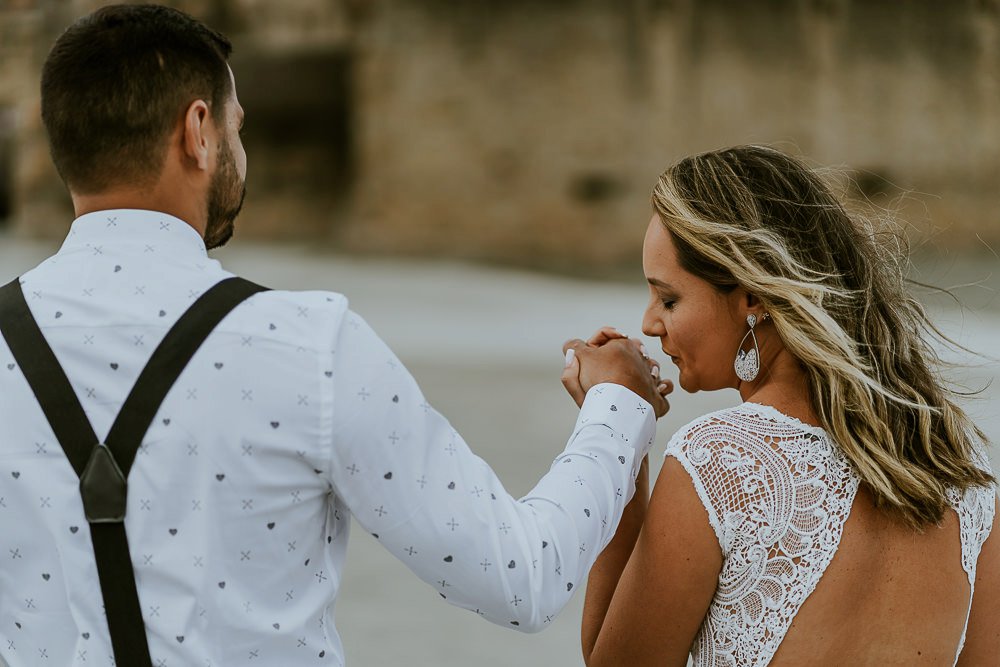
(750, 458)
(751, 440)
(708, 425)
(746, 424)
(710, 446)
(729, 457)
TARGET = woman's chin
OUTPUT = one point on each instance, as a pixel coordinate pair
(686, 383)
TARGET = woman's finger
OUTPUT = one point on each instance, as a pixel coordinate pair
(661, 408)
(571, 377)
(574, 343)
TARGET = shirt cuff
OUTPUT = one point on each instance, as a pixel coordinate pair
(630, 418)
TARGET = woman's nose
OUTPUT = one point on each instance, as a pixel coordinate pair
(652, 325)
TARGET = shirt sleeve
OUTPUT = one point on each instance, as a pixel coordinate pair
(411, 481)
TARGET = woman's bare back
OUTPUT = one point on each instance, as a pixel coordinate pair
(890, 596)
(811, 572)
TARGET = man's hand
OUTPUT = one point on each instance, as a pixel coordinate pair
(610, 356)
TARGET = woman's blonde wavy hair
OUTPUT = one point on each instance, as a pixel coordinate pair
(754, 217)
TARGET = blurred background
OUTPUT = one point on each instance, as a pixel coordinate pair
(500, 131)
(475, 176)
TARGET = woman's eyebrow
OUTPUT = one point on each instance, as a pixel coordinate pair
(659, 283)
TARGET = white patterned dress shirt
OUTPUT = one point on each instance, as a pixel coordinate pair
(291, 417)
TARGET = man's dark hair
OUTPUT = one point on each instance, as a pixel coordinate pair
(116, 83)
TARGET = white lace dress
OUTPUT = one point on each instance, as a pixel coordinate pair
(778, 493)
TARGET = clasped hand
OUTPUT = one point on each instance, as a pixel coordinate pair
(610, 356)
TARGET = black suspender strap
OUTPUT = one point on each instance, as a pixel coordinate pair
(167, 362)
(46, 377)
(103, 468)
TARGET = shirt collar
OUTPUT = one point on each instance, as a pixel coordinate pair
(130, 227)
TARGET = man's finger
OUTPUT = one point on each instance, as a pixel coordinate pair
(605, 334)
(639, 346)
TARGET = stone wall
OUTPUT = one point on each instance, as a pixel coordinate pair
(535, 130)
(530, 131)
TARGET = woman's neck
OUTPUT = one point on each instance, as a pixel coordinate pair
(784, 385)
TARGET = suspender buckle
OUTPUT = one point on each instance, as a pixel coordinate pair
(103, 487)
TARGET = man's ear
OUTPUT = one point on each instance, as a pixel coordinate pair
(197, 133)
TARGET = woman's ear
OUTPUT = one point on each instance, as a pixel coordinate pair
(744, 303)
(198, 129)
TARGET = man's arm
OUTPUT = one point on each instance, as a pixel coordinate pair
(410, 480)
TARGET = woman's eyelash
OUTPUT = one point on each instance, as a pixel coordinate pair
(668, 303)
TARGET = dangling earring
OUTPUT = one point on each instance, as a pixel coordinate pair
(747, 364)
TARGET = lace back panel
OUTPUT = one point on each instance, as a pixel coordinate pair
(975, 508)
(778, 493)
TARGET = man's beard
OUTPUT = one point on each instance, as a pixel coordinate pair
(225, 199)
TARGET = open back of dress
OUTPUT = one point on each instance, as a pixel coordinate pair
(778, 494)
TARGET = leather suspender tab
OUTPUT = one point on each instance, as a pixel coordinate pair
(103, 488)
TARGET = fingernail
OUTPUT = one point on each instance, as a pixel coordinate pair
(570, 355)
(662, 388)
(642, 350)
(655, 371)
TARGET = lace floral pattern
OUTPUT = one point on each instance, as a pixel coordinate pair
(975, 509)
(777, 493)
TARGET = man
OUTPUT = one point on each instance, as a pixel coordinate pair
(289, 418)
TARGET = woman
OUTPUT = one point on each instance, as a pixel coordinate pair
(839, 516)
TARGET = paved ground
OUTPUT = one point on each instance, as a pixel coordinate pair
(482, 341)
